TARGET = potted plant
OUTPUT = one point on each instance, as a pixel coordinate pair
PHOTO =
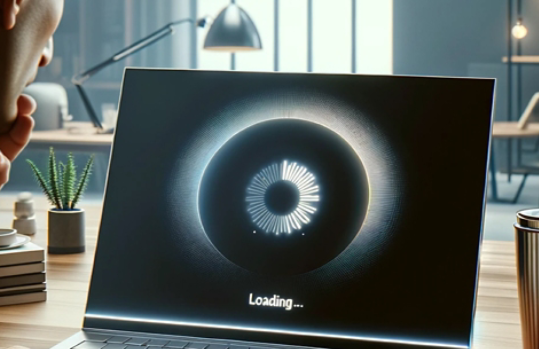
(66, 221)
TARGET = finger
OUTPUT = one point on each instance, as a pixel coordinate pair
(26, 105)
(13, 142)
(4, 169)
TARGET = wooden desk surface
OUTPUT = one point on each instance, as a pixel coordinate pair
(82, 134)
(41, 325)
(522, 59)
(62, 137)
(502, 129)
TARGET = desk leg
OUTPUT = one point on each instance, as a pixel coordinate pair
(493, 183)
(519, 153)
(509, 159)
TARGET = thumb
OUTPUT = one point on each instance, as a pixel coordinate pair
(5, 165)
(26, 105)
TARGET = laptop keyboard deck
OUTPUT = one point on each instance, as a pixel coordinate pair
(98, 341)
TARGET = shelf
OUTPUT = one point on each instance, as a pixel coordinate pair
(522, 59)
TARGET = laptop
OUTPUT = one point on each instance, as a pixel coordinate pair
(287, 210)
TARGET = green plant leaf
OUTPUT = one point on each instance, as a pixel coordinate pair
(42, 182)
(61, 170)
(83, 182)
(53, 179)
(70, 177)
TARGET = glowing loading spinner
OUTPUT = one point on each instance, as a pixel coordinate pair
(297, 185)
(282, 197)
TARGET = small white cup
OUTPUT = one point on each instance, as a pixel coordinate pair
(8, 236)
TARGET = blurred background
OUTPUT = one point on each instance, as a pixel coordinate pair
(465, 38)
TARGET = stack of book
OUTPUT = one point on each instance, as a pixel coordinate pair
(22, 275)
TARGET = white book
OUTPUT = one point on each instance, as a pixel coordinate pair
(27, 253)
(22, 269)
(24, 298)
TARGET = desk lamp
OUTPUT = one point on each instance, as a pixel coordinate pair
(233, 30)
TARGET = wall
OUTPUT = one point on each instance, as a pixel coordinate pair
(466, 38)
(443, 37)
(463, 38)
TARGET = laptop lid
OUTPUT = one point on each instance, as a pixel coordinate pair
(338, 211)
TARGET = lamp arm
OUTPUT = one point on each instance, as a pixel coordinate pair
(79, 79)
(89, 107)
(129, 50)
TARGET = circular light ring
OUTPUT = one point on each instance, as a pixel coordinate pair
(341, 210)
(356, 126)
(303, 180)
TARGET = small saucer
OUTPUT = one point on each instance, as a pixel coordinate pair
(20, 240)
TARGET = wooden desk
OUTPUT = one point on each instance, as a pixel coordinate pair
(510, 131)
(71, 140)
(522, 59)
(41, 325)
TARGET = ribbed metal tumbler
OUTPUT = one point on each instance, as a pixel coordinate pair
(527, 244)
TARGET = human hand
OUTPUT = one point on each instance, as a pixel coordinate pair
(14, 141)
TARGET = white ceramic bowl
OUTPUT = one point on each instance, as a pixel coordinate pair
(8, 236)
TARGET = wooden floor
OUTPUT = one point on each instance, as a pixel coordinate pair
(41, 325)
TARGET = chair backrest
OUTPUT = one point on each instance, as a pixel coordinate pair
(525, 117)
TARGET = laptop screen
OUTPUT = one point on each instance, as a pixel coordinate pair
(338, 211)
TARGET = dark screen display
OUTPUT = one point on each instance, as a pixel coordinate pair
(338, 211)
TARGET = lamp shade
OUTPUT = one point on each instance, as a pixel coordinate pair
(233, 30)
